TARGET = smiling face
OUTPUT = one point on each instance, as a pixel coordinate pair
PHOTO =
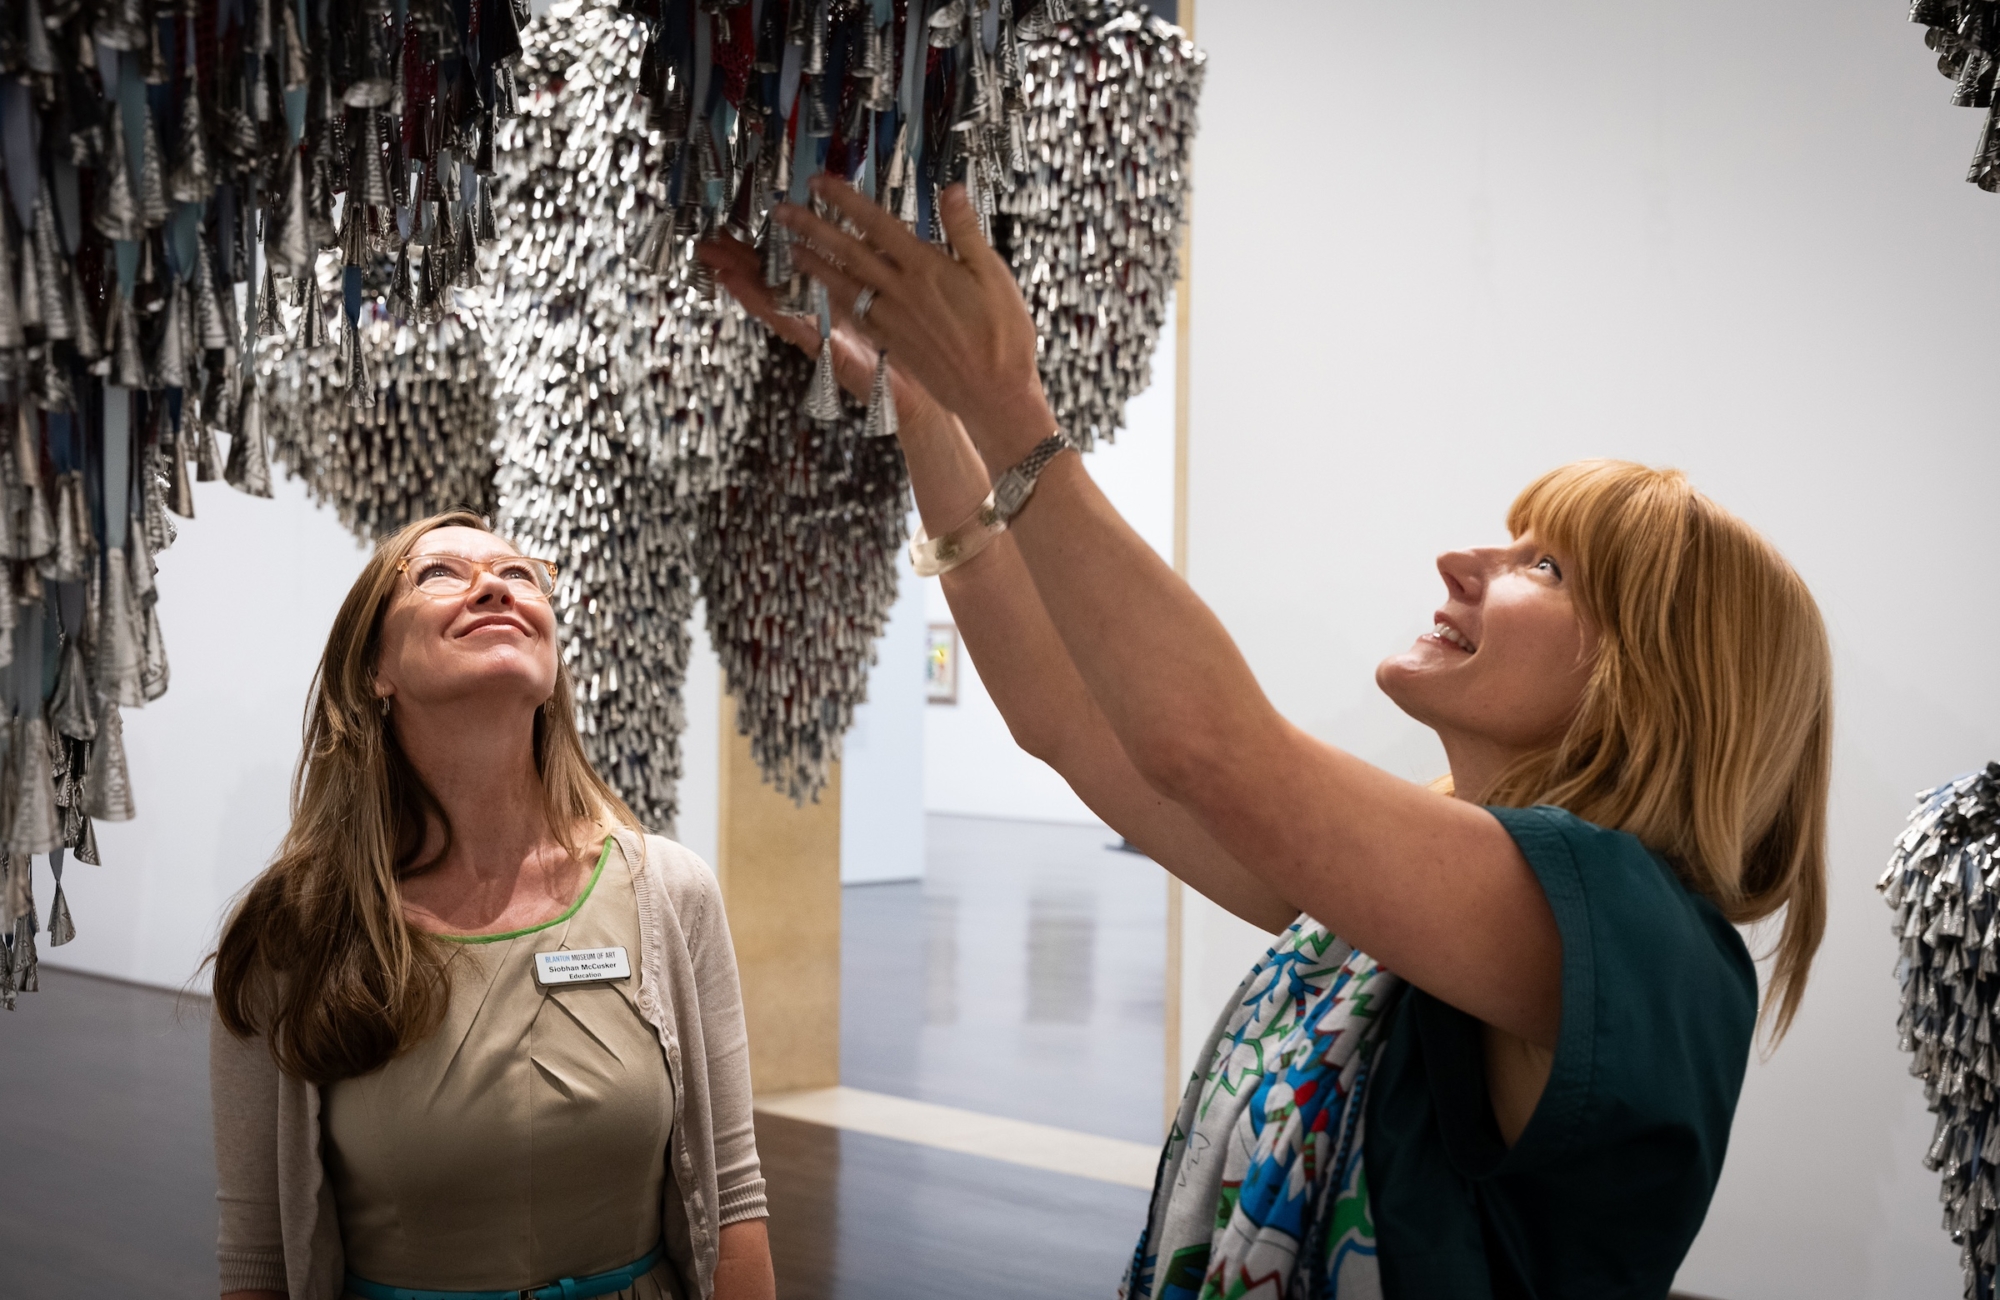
(494, 642)
(1506, 661)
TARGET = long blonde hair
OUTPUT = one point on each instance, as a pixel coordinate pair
(1706, 729)
(318, 955)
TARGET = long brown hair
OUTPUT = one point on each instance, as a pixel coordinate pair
(1706, 729)
(318, 955)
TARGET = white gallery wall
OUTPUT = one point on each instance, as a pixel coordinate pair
(972, 767)
(1439, 251)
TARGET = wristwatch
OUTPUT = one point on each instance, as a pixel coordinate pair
(1017, 484)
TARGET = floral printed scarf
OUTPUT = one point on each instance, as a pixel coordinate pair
(1261, 1193)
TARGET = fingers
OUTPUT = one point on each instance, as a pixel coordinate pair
(868, 266)
(961, 226)
(884, 231)
(737, 271)
(841, 288)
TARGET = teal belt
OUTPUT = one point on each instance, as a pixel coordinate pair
(569, 1288)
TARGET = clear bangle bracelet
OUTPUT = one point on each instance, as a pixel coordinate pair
(942, 555)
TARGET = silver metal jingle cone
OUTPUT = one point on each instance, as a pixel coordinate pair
(27, 968)
(154, 675)
(139, 559)
(192, 180)
(360, 387)
(292, 249)
(269, 323)
(823, 394)
(61, 928)
(88, 344)
(374, 181)
(402, 298)
(70, 562)
(249, 467)
(73, 711)
(107, 785)
(51, 271)
(208, 466)
(468, 257)
(12, 334)
(312, 326)
(170, 360)
(72, 484)
(27, 448)
(881, 402)
(488, 227)
(153, 207)
(298, 67)
(119, 657)
(353, 235)
(778, 265)
(29, 294)
(36, 828)
(210, 326)
(38, 525)
(180, 483)
(117, 213)
(128, 366)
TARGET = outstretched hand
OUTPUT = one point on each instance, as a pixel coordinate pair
(956, 324)
(737, 270)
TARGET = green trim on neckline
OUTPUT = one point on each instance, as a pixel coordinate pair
(602, 858)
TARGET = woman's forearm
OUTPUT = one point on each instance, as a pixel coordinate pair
(1029, 676)
(743, 1264)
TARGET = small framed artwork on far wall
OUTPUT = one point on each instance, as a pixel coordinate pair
(941, 664)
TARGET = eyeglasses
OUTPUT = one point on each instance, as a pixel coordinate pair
(451, 575)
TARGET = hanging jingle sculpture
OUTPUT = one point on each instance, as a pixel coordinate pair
(1944, 884)
(170, 167)
(621, 381)
(797, 553)
(1071, 128)
(1965, 35)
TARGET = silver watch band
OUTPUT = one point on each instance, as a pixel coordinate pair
(1018, 483)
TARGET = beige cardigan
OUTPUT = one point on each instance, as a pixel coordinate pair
(280, 1230)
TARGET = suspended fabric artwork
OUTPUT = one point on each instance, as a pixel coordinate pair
(1943, 883)
(1965, 34)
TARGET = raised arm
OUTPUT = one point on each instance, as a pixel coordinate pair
(1020, 658)
(1432, 887)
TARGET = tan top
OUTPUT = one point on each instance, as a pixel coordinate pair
(279, 1225)
(526, 1140)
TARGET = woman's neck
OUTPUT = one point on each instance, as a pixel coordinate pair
(478, 762)
(1475, 765)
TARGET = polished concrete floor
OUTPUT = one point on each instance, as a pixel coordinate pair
(1022, 978)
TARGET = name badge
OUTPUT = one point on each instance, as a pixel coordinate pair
(581, 966)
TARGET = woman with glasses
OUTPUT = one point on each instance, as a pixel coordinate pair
(476, 1034)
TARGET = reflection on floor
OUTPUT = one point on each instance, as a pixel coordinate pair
(1022, 977)
(855, 1217)
(107, 1181)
